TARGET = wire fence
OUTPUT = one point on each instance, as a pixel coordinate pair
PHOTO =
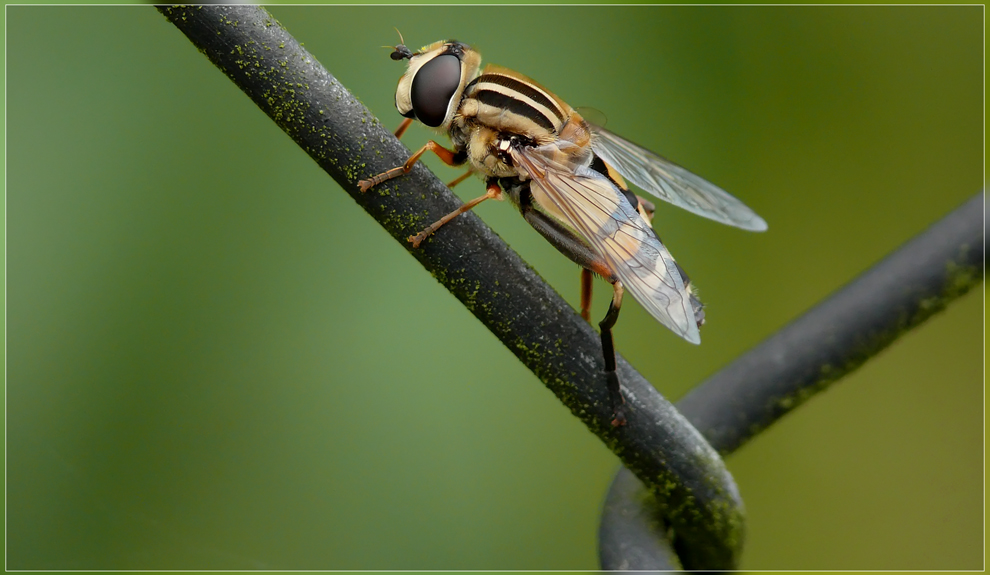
(692, 493)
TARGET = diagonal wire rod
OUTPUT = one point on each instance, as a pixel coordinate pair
(814, 351)
(700, 500)
(837, 336)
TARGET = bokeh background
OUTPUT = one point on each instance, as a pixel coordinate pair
(217, 360)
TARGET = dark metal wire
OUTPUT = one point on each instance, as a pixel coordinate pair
(826, 343)
(837, 336)
(632, 534)
(700, 500)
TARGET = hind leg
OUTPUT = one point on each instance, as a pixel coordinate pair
(578, 251)
(608, 350)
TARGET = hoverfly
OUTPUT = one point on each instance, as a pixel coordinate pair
(566, 175)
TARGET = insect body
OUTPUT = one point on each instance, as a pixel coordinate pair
(567, 177)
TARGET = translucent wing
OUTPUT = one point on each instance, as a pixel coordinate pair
(594, 207)
(672, 183)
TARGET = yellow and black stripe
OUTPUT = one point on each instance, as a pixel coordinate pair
(510, 101)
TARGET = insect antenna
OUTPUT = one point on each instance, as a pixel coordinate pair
(400, 52)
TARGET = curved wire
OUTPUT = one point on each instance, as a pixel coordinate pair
(814, 351)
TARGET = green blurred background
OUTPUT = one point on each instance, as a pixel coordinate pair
(217, 360)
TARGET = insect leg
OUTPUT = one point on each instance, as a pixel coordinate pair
(460, 179)
(493, 191)
(403, 127)
(449, 157)
(586, 294)
(608, 349)
(579, 252)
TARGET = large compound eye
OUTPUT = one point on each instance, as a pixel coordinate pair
(434, 85)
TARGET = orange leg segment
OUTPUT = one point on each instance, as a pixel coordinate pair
(586, 294)
(460, 179)
(447, 156)
(493, 192)
(403, 127)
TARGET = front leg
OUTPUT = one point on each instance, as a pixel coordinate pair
(403, 127)
(449, 157)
